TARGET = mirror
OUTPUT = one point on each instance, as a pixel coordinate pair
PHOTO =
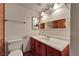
(59, 23)
(35, 23)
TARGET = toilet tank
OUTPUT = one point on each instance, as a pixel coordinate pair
(14, 45)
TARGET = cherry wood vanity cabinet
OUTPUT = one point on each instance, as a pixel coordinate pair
(42, 26)
(52, 52)
(40, 49)
(55, 52)
(33, 44)
(65, 51)
(37, 48)
(2, 42)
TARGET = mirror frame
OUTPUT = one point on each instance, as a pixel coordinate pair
(34, 26)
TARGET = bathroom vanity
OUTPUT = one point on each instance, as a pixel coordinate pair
(40, 46)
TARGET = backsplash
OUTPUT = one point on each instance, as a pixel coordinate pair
(62, 33)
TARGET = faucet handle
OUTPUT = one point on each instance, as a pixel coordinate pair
(48, 36)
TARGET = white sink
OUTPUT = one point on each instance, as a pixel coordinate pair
(57, 41)
(42, 37)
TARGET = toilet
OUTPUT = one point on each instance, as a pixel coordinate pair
(15, 48)
(16, 53)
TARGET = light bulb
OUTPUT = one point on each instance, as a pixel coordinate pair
(55, 6)
(42, 14)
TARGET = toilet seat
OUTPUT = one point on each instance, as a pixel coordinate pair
(16, 53)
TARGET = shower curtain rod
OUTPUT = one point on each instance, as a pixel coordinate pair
(15, 21)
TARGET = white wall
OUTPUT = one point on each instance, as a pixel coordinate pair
(16, 30)
(29, 15)
(59, 33)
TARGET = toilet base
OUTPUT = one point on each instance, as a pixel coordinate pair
(16, 53)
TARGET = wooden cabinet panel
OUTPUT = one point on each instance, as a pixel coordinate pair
(33, 46)
(65, 52)
(2, 45)
(43, 49)
(52, 52)
(40, 48)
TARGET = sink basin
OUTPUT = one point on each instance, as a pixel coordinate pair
(57, 41)
(52, 39)
(42, 37)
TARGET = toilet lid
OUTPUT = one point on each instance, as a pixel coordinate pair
(16, 53)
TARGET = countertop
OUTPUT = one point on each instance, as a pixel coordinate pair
(52, 42)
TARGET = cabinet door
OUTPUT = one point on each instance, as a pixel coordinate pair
(2, 45)
(43, 49)
(33, 45)
(65, 52)
(52, 52)
(40, 49)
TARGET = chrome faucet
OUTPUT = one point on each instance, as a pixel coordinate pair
(48, 36)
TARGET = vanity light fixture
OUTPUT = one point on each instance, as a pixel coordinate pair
(42, 13)
(51, 8)
(45, 16)
(55, 6)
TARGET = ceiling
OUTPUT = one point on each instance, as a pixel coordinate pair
(38, 7)
(42, 7)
